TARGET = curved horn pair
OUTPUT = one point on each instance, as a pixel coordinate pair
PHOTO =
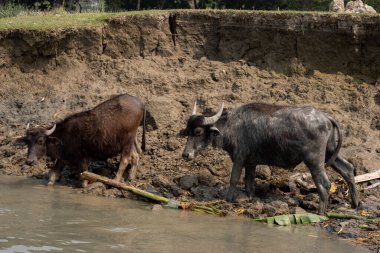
(50, 131)
(209, 120)
(213, 119)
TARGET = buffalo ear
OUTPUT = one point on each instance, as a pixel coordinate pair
(21, 141)
(54, 141)
(214, 130)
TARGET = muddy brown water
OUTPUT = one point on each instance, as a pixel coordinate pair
(35, 218)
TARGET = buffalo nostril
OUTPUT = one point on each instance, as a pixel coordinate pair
(185, 155)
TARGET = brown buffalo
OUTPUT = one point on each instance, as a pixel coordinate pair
(103, 132)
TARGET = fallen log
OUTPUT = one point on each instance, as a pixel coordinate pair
(367, 177)
(172, 203)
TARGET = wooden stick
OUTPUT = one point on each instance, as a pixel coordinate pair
(350, 216)
(170, 202)
(105, 180)
(367, 177)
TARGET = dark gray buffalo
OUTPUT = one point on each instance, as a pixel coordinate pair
(103, 132)
(274, 135)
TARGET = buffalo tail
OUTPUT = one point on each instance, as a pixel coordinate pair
(337, 149)
(143, 134)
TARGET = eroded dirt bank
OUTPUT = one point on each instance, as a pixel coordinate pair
(329, 61)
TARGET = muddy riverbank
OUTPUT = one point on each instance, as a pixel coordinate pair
(328, 61)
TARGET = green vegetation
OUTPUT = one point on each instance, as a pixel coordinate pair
(58, 19)
(54, 20)
(11, 10)
(289, 219)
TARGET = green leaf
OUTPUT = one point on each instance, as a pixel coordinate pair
(292, 219)
(316, 218)
(288, 219)
(282, 220)
(297, 217)
(305, 219)
(270, 220)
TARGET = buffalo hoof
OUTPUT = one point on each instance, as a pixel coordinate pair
(230, 197)
(84, 183)
(358, 206)
(250, 194)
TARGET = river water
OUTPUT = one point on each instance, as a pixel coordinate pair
(36, 218)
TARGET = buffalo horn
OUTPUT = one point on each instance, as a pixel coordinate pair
(27, 126)
(50, 131)
(194, 109)
(213, 119)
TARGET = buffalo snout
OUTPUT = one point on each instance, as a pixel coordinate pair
(188, 155)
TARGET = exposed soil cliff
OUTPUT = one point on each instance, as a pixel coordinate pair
(329, 61)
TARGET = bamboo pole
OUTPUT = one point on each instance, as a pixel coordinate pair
(350, 216)
(105, 180)
(169, 202)
(367, 177)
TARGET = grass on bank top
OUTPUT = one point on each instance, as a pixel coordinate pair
(44, 21)
(61, 19)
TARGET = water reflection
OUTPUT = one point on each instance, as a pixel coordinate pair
(35, 218)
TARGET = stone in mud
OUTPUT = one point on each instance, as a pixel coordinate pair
(310, 202)
(255, 209)
(113, 193)
(156, 208)
(96, 189)
(173, 145)
(263, 172)
(292, 202)
(161, 181)
(204, 193)
(275, 208)
(167, 185)
(188, 181)
(206, 178)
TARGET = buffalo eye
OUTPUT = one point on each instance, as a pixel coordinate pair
(40, 141)
(198, 131)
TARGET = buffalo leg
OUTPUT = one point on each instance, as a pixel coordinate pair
(55, 173)
(235, 176)
(122, 166)
(134, 163)
(250, 171)
(84, 167)
(346, 170)
(139, 151)
(322, 183)
(124, 160)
